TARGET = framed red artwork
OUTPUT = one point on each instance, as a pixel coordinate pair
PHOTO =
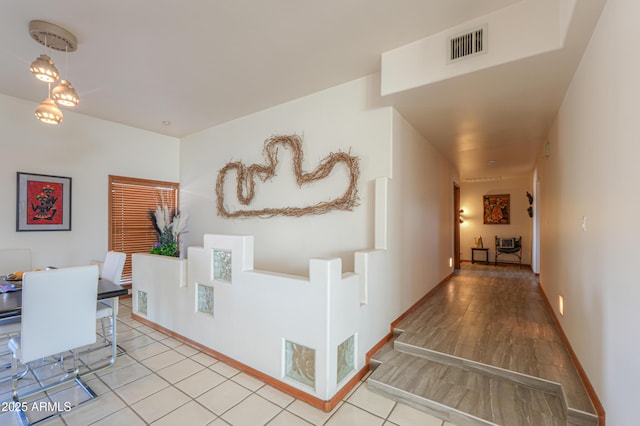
(44, 203)
(496, 209)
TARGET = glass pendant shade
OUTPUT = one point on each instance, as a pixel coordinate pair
(44, 69)
(64, 94)
(48, 112)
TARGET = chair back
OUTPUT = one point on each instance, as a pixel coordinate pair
(507, 245)
(14, 260)
(58, 311)
(113, 266)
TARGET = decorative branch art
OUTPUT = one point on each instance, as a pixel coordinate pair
(246, 180)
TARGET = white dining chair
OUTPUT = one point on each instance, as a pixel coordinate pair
(111, 270)
(58, 315)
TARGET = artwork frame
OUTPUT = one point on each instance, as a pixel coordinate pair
(497, 209)
(43, 202)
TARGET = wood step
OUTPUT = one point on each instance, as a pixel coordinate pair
(462, 396)
(410, 343)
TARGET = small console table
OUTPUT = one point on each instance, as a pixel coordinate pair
(486, 255)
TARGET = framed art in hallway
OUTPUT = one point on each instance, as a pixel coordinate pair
(496, 209)
(43, 203)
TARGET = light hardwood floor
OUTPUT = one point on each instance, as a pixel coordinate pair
(484, 349)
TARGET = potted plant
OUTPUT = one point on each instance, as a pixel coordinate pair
(168, 229)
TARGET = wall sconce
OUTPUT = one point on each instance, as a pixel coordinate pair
(561, 305)
(460, 213)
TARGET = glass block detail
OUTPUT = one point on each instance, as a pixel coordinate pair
(346, 356)
(205, 299)
(222, 265)
(300, 363)
(142, 302)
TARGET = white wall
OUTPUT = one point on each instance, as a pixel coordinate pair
(87, 150)
(410, 259)
(348, 117)
(419, 233)
(592, 173)
(420, 215)
(471, 198)
(255, 309)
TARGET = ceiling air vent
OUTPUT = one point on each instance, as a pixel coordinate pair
(469, 44)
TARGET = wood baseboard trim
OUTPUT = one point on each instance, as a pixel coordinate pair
(419, 302)
(492, 263)
(523, 265)
(397, 321)
(597, 404)
(377, 347)
(323, 405)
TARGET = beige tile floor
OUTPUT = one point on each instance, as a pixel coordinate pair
(160, 381)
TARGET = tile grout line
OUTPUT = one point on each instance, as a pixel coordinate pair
(172, 385)
(142, 331)
(154, 372)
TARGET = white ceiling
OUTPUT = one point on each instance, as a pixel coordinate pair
(199, 63)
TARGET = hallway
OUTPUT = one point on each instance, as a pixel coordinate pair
(483, 349)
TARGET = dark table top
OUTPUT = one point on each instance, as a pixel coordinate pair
(11, 302)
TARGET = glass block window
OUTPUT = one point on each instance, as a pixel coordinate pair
(205, 299)
(346, 357)
(222, 265)
(300, 363)
(142, 302)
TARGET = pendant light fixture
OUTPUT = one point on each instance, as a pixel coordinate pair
(64, 93)
(48, 112)
(44, 69)
(57, 38)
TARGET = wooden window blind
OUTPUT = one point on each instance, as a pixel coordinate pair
(130, 202)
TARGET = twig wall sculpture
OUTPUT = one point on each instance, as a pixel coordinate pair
(246, 180)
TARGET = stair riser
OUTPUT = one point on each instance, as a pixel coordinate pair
(574, 417)
(500, 373)
(580, 418)
(431, 407)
